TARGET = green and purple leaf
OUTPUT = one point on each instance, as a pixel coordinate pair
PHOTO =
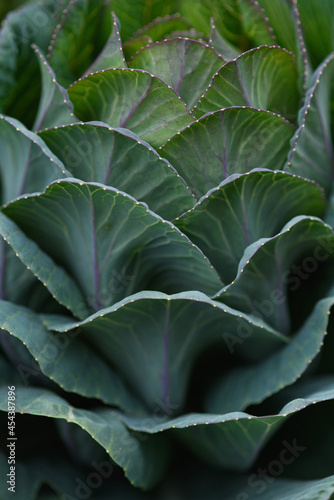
(263, 78)
(222, 143)
(131, 99)
(186, 65)
(233, 215)
(117, 157)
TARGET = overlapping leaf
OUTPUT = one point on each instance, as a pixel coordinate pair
(264, 78)
(154, 339)
(55, 107)
(221, 45)
(315, 21)
(186, 65)
(79, 38)
(64, 358)
(111, 244)
(26, 164)
(133, 99)
(250, 385)
(132, 46)
(234, 140)
(143, 458)
(284, 20)
(256, 487)
(311, 152)
(235, 214)
(163, 27)
(112, 54)
(134, 14)
(19, 72)
(264, 277)
(240, 22)
(118, 158)
(230, 441)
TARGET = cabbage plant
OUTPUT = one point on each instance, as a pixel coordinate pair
(167, 250)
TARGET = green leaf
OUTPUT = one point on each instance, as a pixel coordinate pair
(26, 164)
(234, 140)
(118, 158)
(279, 13)
(143, 458)
(264, 78)
(163, 27)
(134, 14)
(317, 27)
(154, 340)
(311, 152)
(57, 473)
(111, 244)
(79, 38)
(20, 81)
(240, 22)
(133, 99)
(55, 107)
(186, 65)
(284, 20)
(250, 385)
(221, 45)
(231, 441)
(65, 359)
(132, 46)
(60, 284)
(234, 215)
(257, 487)
(112, 54)
(268, 270)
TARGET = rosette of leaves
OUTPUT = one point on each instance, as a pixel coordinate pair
(167, 250)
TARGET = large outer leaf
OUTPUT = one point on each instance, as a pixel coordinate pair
(19, 71)
(65, 359)
(59, 283)
(154, 339)
(235, 214)
(263, 279)
(133, 99)
(143, 458)
(26, 164)
(317, 25)
(250, 385)
(311, 152)
(79, 38)
(110, 243)
(264, 78)
(118, 158)
(186, 65)
(234, 140)
(231, 441)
